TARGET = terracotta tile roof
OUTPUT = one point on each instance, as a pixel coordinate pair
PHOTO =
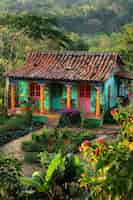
(68, 66)
(124, 74)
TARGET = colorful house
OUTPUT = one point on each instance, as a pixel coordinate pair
(52, 81)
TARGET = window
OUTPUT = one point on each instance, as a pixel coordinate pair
(34, 89)
(84, 91)
(122, 89)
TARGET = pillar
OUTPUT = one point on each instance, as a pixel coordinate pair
(98, 107)
(68, 87)
(42, 98)
(13, 88)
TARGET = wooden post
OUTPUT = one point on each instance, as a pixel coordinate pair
(42, 98)
(68, 96)
(13, 97)
(98, 106)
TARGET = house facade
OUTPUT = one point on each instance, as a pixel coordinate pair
(53, 81)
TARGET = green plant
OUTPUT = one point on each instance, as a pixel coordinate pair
(44, 183)
(124, 117)
(32, 157)
(16, 127)
(108, 118)
(107, 170)
(10, 170)
(92, 123)
(32, 146)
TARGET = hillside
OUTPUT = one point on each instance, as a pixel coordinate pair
(80, 16)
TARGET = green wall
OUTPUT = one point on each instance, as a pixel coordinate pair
(112, 82)
(47, 98)
(74, 94)
(93, 99)
(23, 91)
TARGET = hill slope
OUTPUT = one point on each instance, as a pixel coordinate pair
(80, 16)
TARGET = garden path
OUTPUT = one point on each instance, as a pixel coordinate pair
(14, 147)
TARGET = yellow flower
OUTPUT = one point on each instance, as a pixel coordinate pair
(131, 146)
(126, 143)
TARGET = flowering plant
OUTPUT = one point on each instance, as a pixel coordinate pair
(119, 115)
(107, 168)
(93, 157)
(124, 116)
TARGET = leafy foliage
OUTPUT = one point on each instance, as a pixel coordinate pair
(10, 171)
(16, 127)
(61, 171)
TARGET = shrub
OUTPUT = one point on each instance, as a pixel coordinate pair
(17, 122)
(32, 146)
(16, 127)
(54, 181)
(10, 170)
(3, 118)
(66, 140)
(31, 157)
(70, 118)
(108, 118)
(92, 123)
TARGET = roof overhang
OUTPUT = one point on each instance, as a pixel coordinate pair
(125, 75)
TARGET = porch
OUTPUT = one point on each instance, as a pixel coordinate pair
(51, 98)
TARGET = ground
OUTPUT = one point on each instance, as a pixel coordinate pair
(14, 147)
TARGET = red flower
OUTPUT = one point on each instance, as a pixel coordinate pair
(97, 151)
(100, 140)
(84, 146)
(129, 94)
(114, 111)
(86, 143)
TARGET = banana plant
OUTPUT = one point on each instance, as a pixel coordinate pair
(44, 182)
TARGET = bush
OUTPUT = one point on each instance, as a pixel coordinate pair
(108, 118)
(10, 170)
(65, 140)
(17, 122)
(32, 146)
(16, 127)
(32, 157)
(3, 118)
(92, 123)
(70, 118)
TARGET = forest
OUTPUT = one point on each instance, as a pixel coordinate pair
(97, 25)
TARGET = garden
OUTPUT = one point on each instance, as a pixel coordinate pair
(73, 165)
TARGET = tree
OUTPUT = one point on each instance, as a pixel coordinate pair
(128, 50)
(37, 27)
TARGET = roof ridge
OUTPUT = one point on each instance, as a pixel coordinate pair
(66, 52)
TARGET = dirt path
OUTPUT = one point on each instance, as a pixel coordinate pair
(14, 147)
